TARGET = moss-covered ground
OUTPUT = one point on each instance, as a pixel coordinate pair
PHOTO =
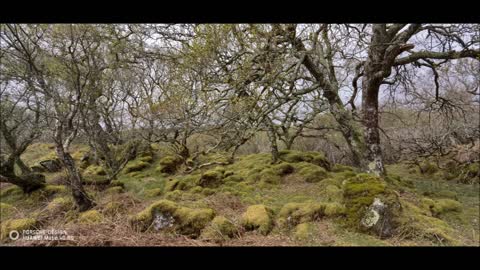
(302, 200)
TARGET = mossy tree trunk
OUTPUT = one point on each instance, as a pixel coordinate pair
(81, 198)
(27, 182)
(328, 82)
(272, 137)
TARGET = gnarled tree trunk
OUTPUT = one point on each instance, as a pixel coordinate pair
(81, 198)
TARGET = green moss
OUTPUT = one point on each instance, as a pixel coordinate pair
(321, 160)
(211, 178)
(346, 175)
(269, 176)
(208, 191)
(94, 170)
(359, 193)
(428, 167)
(17, 225)
(283, 169)
(6, 210)
(154, 192)
(114, 190)
(171, 184)
(187, 182)
(258, 217)
(442, 194)
(292, 214)
(427, 204)
(147, 158)
(316, 158)
(60, 204)
(304, 231)
(292, 156)
(169, 164)
(343, 168)
(54, 189)
(47, 192)
(334, 181)
(113, 207)
(473, 169)
(135, 166)
(415, 224)
(313, 174)
(95, 180)
(219, 229)
(90, 217)
(196, 190)
(335, 210)
(188, 221)
(333, 193)
(442, 206)
(234, 178)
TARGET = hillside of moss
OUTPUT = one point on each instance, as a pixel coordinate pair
(302, 200)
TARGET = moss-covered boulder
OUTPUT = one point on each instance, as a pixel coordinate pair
(258, 217)
(370, 204)
(16, 225)
(165, 213)
(90, 217)
(219, 229)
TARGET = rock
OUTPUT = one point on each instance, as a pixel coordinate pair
(162, 221)
(51, 165)
(377, 219)
(184, 220)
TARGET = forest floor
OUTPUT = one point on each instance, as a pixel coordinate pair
(298, 203)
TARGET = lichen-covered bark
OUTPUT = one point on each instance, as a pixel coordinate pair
(272, 137)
